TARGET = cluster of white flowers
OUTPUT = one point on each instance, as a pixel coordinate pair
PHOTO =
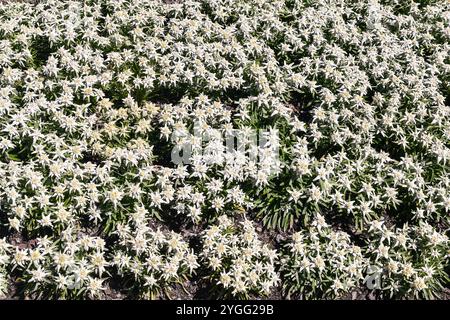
(239, 263)
(69, 267)
(321, 263)
(410, 261)
(97, 98)
(371, 85)
(154, 259)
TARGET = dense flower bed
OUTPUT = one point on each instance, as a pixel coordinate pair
(116, 169)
